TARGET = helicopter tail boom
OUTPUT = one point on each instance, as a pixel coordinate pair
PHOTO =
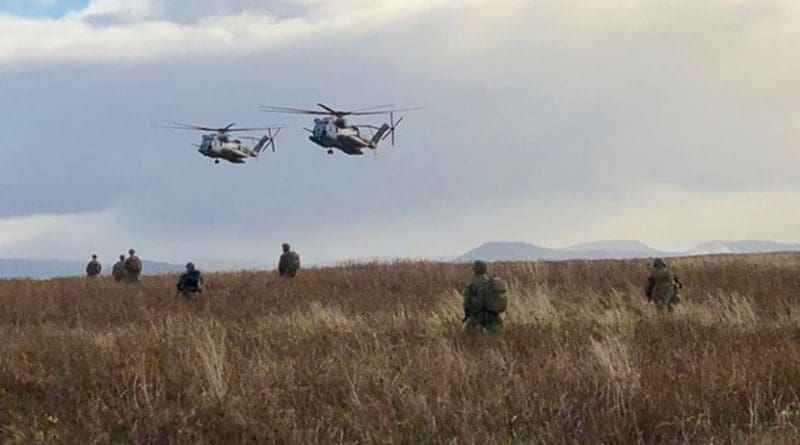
(262, 144)
(379, 135)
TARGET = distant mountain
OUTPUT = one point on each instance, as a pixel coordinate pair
(509, 251)
(615, 249)
(520, 251)
(716, 247)
(614, 246)
(44, 268)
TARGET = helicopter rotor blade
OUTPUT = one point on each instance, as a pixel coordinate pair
(374, 107)
(227, 129)
(234, 130)
(328, 109)
(376, 112)
(365, 113)
(271, 139)
(293, 111)
(394, 127)
(182, 126)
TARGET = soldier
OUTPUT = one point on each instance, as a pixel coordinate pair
(118, 271)
(190, 282)
(94, 267)
(662, 287)
(289, 263)
(132, 267)
(484, 300)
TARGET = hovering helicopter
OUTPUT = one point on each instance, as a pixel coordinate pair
(221, 145)
(334, 132)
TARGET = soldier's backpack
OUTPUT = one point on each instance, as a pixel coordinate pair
(664, 288)
(289, 264)
(134, 265)
(190, 281)
(493, 295)
(294, 260)
(94, 268)
(499, 297)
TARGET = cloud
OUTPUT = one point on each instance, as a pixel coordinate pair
(115, 12)
(57, 236)
(542, 121)
(140, 30)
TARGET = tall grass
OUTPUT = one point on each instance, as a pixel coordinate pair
(376, 353)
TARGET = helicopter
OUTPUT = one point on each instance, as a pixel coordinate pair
(334, 132)
(221, 145)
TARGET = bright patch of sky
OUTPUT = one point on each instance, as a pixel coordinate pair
(41, 8)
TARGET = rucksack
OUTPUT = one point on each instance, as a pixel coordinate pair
(493, 295)
(294, 260)
(664, 287)
(94, 268)
(189, 281)
(134, 264)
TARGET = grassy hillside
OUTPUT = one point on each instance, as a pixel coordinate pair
(376, 354)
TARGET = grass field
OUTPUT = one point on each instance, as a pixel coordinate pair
(376, 354)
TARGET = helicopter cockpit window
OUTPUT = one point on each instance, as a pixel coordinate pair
(320, 128)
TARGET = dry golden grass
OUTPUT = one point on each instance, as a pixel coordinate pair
(376, 354)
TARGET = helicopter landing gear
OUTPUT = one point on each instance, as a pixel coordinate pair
(330, 152)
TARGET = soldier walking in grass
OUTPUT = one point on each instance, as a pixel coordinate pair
(485, 298)
(132, 267)
(289, 263)
(663, 287)
(94, 267)
(118, 271)
(190, 283)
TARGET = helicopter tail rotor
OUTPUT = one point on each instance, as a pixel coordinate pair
(392, 127)
(272, 137)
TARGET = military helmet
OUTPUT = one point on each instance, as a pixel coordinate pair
(190, 266)
(94, 256)
(286, 247)
(480, 267)
(659, 263)
(122, 257)
(131, 251)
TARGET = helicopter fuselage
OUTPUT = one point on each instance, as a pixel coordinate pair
(218, 146)
(335, 133)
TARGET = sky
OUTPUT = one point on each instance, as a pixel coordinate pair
(550, 122)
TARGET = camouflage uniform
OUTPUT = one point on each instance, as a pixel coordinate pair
(118, 271)
(663, 287)
(289, 263)
(94, 267)
(132, 267)
(190, 282)
(475, 297)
